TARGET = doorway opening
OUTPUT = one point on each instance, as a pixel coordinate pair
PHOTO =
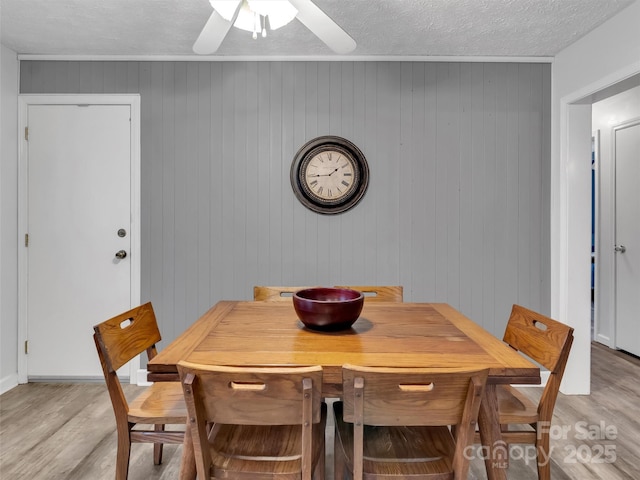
(611, 108)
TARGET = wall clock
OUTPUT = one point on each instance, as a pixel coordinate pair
(329, 175)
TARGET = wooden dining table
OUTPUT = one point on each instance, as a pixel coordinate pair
(386, 334)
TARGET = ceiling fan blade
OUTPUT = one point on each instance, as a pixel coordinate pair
(323, 27)
(214, 32)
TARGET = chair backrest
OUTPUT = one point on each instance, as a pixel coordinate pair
(251, 396)
(274, 294)
(380, 293)
(120, 339)
(546, 341)
(127, 335)
(381, 396)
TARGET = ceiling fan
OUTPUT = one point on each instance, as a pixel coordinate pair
(253, 15)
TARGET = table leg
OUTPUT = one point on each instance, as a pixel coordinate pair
(188, 462)
(494, 449)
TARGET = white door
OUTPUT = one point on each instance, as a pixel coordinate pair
(79, 216)
(627, 237)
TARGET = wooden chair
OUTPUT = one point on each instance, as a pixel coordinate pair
(118, 340)
(256, 423)
(378, 293)
(394, 422)
(274, 294)
(548, 343)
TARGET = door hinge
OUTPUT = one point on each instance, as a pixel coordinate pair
(26, 133)
(26, 239)
(26, 347)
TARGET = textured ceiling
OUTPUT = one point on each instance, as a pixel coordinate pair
(521, 28)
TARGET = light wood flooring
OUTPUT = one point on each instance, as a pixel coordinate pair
(66, 431)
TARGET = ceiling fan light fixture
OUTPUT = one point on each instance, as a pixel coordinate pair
(253, 14)
(280, 12)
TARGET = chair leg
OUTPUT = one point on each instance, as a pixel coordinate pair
(188, 461)
(122, 458)
(339, 461)
(543, 456)
(157, 447)
(319, 473)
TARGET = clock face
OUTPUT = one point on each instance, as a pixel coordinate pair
(329, 175)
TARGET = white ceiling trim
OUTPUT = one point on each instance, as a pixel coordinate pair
(288, 58)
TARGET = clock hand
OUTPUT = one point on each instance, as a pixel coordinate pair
(324, 174)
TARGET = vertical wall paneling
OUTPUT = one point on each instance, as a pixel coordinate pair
(353, 270)
(288, 150)
(171, 161)
(457, 209)
(502, 266)
(239, 114)
(405, 170)
(297, 256)
(467, 237)
(446, 152)
(251, 200)
(490, 214)
(509, 248)
(203, 259)
(192, 185)
(216, 195)
(369, 207)
(180, 171)
(535, 173)
(478, 190)
(450, 136)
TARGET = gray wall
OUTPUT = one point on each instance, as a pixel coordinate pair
(457, 209)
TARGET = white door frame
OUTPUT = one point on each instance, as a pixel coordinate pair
(133, 101)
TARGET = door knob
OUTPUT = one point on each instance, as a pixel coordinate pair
(620, 248)
(121, 254)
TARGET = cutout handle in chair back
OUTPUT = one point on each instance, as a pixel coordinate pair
(416, 387)
(238, 386)
(380, 293)
(274, 294)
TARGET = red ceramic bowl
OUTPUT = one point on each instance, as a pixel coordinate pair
(322, 308)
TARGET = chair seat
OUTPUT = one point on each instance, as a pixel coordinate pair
(260, 451)
(159, 403)
(515, 410)
(399, 451)
(515, 407)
